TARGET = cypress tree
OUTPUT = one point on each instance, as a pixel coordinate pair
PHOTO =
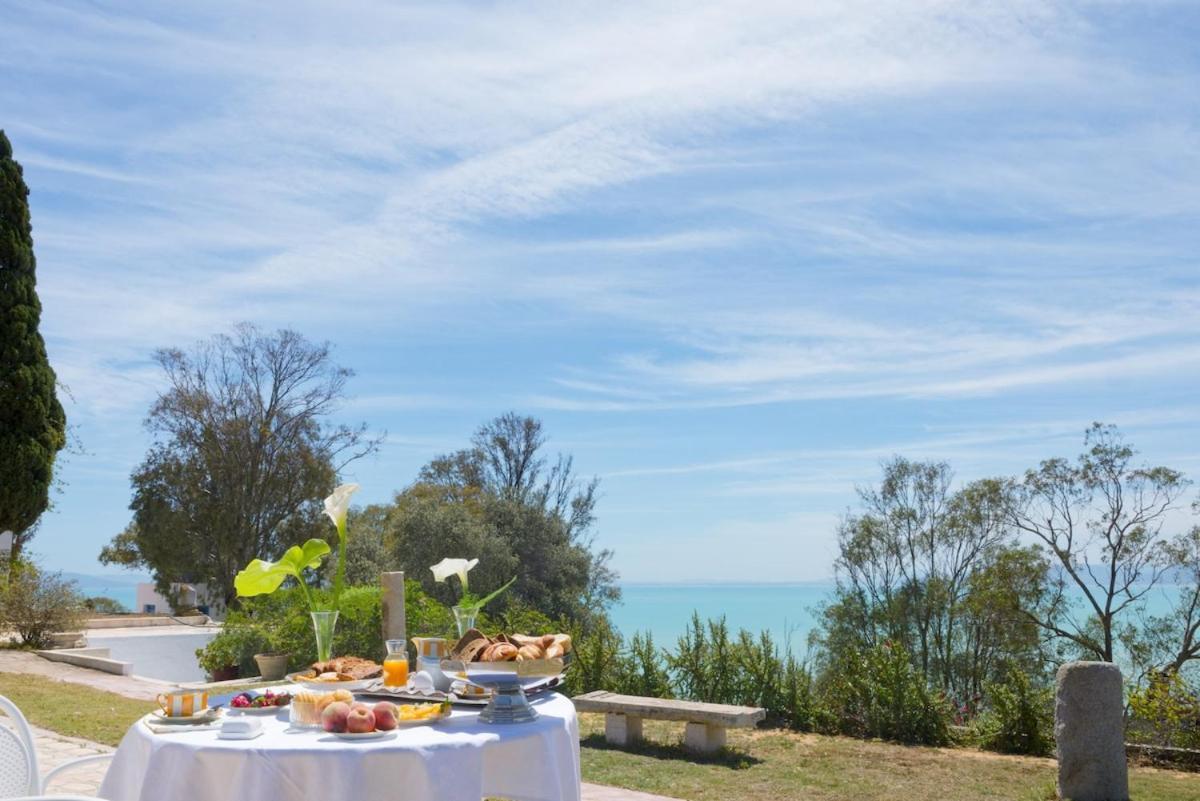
(32, 421)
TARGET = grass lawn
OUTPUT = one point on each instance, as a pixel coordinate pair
(758, 766)
(771, 764)
(73, 709)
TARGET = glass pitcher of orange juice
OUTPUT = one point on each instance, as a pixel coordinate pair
(395, 664)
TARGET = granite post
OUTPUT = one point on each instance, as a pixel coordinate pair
(394, 622)
(1090, 731)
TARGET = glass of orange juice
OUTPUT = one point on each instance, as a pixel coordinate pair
(395, 664)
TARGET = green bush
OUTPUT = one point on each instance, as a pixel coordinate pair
(280, 622)
(1166, 711)
(36, 605)
(880, 694)
(598, 664)
(234, 646)
(103, 605)
(1018, 718)
(642, 670)
(702, 666)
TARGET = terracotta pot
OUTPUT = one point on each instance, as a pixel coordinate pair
(272, 666)
(228, 673)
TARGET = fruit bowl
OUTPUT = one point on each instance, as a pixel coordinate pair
(508, 682)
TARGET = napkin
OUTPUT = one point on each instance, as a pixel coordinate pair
(242, 728)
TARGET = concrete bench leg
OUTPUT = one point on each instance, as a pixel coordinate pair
(622, 729)
(704, 738)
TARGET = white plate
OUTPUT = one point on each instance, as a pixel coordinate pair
(205, 716)
(256, 710)
(329, 686)
(364, 735)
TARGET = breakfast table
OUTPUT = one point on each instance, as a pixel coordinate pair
(456, 759)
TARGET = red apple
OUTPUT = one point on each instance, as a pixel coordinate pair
(385, 715)
(334, 717)
(360, 720)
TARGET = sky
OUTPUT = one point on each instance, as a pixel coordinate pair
(732, 254)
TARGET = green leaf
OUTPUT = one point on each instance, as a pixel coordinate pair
(483, 602)
(261, 578)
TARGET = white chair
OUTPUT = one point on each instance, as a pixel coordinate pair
(19, 777)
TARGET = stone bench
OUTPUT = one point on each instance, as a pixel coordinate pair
(706, 723)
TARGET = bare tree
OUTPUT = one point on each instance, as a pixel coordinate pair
(1101, 518)
(1174, 638)
(242, 456)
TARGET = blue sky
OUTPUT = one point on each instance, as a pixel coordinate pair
(733, 254)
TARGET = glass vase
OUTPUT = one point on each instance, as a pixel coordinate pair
(464, 618)
(323, 625)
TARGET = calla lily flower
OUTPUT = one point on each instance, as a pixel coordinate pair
(450, 567)
(337, 505)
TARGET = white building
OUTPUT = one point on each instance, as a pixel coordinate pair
(150, 601)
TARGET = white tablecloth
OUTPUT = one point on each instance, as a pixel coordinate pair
(459, 759)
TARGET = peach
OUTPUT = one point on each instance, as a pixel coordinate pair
(334, 718)
(385, 715)
(360, 720)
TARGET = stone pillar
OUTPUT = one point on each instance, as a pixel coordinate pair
(394, 623)
(1090, 731)
(622, 729)
(704, 738)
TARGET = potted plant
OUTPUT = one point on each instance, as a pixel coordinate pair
(229, 655)
(220, 658)
(272, 665)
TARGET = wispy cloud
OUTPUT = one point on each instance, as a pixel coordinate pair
(621, 216)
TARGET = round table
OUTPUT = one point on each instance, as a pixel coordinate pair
(458, 759)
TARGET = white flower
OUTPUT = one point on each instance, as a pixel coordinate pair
(449, 567)
(338, 504)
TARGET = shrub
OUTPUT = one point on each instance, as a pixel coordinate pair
(280, 622)
(1166, 711)
(642, 670)
(1018, 718)
(36, 605)
(795, 708)
(702, 666)
(880, 694)
(102, 605)
(598, 664)
(234, 646)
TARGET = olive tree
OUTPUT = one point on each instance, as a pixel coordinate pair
(243, 452)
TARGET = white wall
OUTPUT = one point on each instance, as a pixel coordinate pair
(147, 596)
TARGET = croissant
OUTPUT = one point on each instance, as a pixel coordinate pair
(560, 646)
(530, 652)
(500, 652)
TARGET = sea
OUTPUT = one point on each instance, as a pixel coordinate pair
(789, 611)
